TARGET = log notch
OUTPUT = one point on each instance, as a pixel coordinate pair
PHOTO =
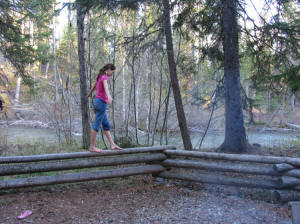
(286, 195)
(283, 167)
(77, 155)
(286, 182)
(77, 164)
(79, 177)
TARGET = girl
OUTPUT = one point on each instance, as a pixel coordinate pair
(100, 103)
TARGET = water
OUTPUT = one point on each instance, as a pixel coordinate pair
(21, 135)
(213, 140)
(268, 139)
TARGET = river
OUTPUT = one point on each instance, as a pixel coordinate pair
(30, 135)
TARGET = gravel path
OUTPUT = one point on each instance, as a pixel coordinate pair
(136, 200)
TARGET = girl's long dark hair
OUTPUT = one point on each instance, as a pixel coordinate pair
(104, 68)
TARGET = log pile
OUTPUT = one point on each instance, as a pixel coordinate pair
(281, 174)
(270, 172)
(149, 157)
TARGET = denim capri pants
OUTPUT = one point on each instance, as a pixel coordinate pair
(101, 117)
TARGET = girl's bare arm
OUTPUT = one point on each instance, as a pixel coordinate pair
(105, 84)
(92, 90)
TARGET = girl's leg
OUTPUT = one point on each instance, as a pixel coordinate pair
(93, 140)
(111, 142)
(100, 108)
(106, 128)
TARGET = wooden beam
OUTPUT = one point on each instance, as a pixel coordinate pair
(228, 167)
(287, 182)
(78, 164)
(235, 157)
(223, 180)
(76, 155)
(283, 167)
(79, 177)
(286, 195)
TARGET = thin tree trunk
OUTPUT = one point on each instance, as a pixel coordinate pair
(158, 109)
(54, 62)
(89, 73)
(134, 88)
(235, 134)
(123, 91)
(164, 128)
(293, 99)
(18, 86)
(47, 70)
(114, 82)
(150, 100)
(175, 86)
(86, 127)
(200, 73)
(68, 82)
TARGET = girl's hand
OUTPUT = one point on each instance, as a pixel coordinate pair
(110, 99)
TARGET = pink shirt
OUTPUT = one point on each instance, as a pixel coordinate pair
(100, 91)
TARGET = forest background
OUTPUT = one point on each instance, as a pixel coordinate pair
(40, 83)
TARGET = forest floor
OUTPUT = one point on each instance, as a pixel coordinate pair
(140, 199)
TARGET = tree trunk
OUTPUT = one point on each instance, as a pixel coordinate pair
(293, 99)
(235, 134)
(174, 80)
(54, 63)
(200, 72)
(158, 109)
(114, 103)
(134, 87)
(18, 86)
(86, 127)
(149, 85)
(123, 91)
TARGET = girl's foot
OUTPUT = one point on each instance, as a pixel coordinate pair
(115, 147)
(94, 149)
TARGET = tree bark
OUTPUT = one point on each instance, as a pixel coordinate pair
(149, 85)
(234, 167)
(235, 134)
(78, 155)
(123, 91)
(174, 80)
(79, 177)
(235, 157)
(86, 127)
(79, 164)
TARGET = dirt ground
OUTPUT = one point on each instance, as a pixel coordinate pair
(140, 199)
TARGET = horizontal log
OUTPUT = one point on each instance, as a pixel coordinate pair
(228, 167)
(77, 164)
(235, 157)
(286, 182)
(283, 167)
(79, 177)
(297, 188)
(223, 180)
(77, 155)
(286, 195)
